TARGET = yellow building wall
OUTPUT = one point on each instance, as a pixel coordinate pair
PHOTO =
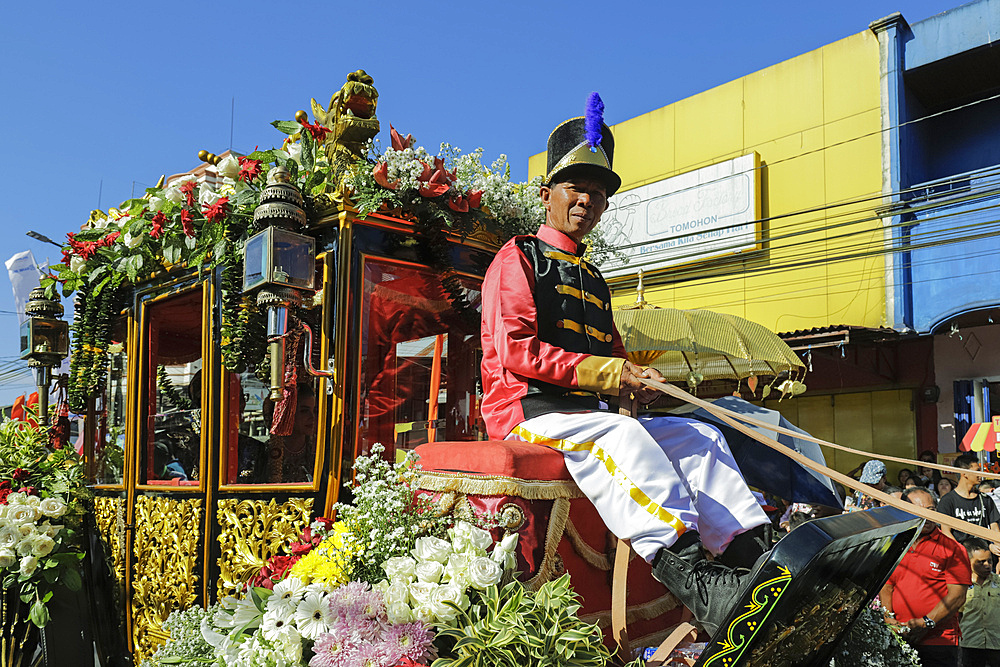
(815, 122)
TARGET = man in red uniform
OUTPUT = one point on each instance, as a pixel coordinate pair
(928, 587)
(552, 356)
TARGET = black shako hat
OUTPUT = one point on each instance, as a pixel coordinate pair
(583, 145)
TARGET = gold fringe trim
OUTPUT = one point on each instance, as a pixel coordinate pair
(639, 612)
(592, 556)
(497, 485)
(557, 526)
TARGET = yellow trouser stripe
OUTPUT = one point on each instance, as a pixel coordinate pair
(572, 291)
(619, 476)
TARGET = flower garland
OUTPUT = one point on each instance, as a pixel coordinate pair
(197, 224)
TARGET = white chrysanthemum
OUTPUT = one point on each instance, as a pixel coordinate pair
(312, 616)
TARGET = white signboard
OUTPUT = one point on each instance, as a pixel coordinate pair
(688, 218)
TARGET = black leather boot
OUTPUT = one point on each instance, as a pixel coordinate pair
(746, 548)
(707, 588)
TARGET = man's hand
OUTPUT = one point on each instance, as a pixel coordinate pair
(995, 548)
(631, 383)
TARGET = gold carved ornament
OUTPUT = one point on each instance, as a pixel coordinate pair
(109, 515)
(165, 571)
(251, 532)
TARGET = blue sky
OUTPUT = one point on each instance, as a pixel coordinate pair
(100, 99)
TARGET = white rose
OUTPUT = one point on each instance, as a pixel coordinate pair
(457, 569)
(17, 498)
(24, 547)
(431, 548)
(399, 612)
(484, 572)
(420, 593)
(424, 613)
(396, 592)
(50, 529)
(467, 538)
(173, 194)
(429, 571)
(295, 151)
(207, 196)
(42, 545)
(9, 537)
(28, 565)
(22, 514)
(441, 595)
(101, 223)
(131, 241)
(32, 501)
(400, 568)
(7, 558)
(504, 552)
(76, 263)
(228, 167)
(157, 202)
(52, 507)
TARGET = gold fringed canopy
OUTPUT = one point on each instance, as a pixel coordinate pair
(679, 343)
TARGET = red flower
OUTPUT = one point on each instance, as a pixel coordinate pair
(436, 185)
(381, 175)
(249, 169)
(317, 131)
(29, 491)
(19, 474)
(217, 211)
(327, 523)
(475, 198)
(3, 495)
(399, 143)
(186, 219)
(109, 240)
(458, 203)
(158, 220)
(274, 571)
(188, 189)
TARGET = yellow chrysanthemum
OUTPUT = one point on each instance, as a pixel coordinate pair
(329, 562)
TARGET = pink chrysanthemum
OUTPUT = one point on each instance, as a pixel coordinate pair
(332, 650)
(368, 655)
(344, 602)
(408, 640)
(373, 605)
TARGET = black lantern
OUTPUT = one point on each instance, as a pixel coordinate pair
(279, 266)
(44, 343)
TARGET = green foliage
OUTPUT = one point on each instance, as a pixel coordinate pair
(512, 627)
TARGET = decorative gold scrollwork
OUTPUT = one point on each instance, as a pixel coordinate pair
(109, 515)
(165, 571)
(251, 531)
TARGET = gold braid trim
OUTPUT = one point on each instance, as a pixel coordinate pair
(640, 612)
(557, 526)
(497, 485)
(592, 556)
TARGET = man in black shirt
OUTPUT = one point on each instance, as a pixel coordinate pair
(967, 504)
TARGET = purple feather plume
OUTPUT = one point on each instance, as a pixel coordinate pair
(593, 120)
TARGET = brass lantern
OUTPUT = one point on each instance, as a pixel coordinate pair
(44, 343)
(279, 266)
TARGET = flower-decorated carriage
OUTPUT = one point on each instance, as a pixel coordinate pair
(244, 334)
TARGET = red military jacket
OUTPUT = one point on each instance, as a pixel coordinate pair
(549, 342)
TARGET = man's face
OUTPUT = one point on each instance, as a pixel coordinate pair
(574, 206)
(971, 476)
(981, 562)
(926, 500)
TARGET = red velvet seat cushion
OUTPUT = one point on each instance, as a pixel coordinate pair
(507, 458)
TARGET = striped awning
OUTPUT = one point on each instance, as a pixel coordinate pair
(981, 437)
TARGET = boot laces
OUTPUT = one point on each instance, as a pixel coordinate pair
(707, 575)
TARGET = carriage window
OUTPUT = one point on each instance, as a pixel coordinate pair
(419, 360)
(173, 391)
(109, 449)
(270, 442)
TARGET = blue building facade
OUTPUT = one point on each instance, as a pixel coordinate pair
(941, 182)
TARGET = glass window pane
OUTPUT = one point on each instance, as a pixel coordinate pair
(173, 393)
(419, 360)
(257, 456)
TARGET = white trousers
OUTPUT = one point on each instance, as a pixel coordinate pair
(651, 478)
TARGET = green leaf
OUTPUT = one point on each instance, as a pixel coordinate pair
(72, 580)
(172, 252)
(39, 614)
(287, 126)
